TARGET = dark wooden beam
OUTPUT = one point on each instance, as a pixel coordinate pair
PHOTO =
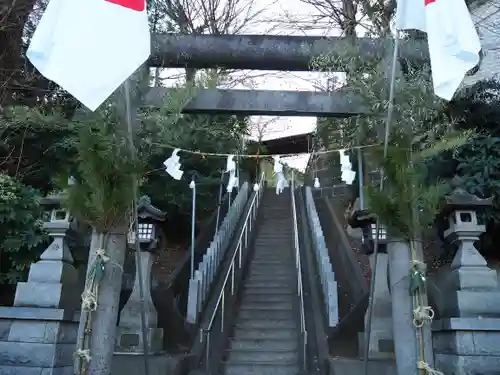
(266, 52)
(265, 103)
(294, 144)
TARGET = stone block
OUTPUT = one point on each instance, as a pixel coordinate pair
(474, 278)
(467, 346)
(487, 343)
(17, 370)
(193, 298)
(382, 348)
(53, 271)
(454, 342)
(472, 303)
(5, 329)
(130, 340)
(30, 354)
(34, 313)
(159, 364)
(42, 332)
(45, 295)
(332, 303)
(451, 364)
(356, 367)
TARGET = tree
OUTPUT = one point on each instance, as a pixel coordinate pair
(13, 17)
(475, 165)
(32, 147)
(407, 203)
(21, 232)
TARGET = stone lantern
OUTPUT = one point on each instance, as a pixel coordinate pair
(41, 327)
(52, 279)
(381, 339)
(367, 222)
(467, 335)
(150, 237)
(469, 277)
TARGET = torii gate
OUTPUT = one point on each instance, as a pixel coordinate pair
(267, 52)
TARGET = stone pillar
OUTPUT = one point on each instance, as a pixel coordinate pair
(381, 338)
(129, 338)
(405, 338)
(39, 332)
(52, 278)
(467, 335)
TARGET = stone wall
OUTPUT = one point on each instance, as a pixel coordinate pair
(36, 344)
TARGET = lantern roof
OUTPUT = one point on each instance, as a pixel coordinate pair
(145, 210)
(460, 199)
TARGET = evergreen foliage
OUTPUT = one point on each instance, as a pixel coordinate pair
(21, 233)
(419, 130)
(103, 169)
(475, 166)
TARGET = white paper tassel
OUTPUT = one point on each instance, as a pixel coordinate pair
(316, 183)
(348, 174)
(172, 165)
(231, 168)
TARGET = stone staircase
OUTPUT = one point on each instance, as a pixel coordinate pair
(265, 338)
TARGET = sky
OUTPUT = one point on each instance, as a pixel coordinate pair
(273, 80)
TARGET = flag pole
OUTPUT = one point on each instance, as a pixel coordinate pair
(135, 218)
(390, 112)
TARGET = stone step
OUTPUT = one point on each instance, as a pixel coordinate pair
(243, 368)
(267, 298)
(267, 344)
(265, 314)
(267, 290)
(272, 251)
(273, 246)
(265, 324)
(274, 236)
(270, 284)
(271, 259)
(263, 356)
(263, 260)
(271, 274)
(284, 267)
(265, 333)
(275, 305)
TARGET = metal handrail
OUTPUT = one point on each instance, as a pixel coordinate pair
(298, 266)
(241, 245)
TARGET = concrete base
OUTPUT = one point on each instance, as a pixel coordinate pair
(382, 339)
(37, 341)
(385, 347)
(129, 340)
(133, 364)
(467, 346)
(21, 370)
(356, 367)
(451, 364)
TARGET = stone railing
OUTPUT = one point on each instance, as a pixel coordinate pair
(204, 275)
(324, 266)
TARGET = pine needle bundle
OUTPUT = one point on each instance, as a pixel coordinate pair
(103, 192)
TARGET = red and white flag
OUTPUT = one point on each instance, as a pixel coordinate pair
(90, 47)
(454, 45)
